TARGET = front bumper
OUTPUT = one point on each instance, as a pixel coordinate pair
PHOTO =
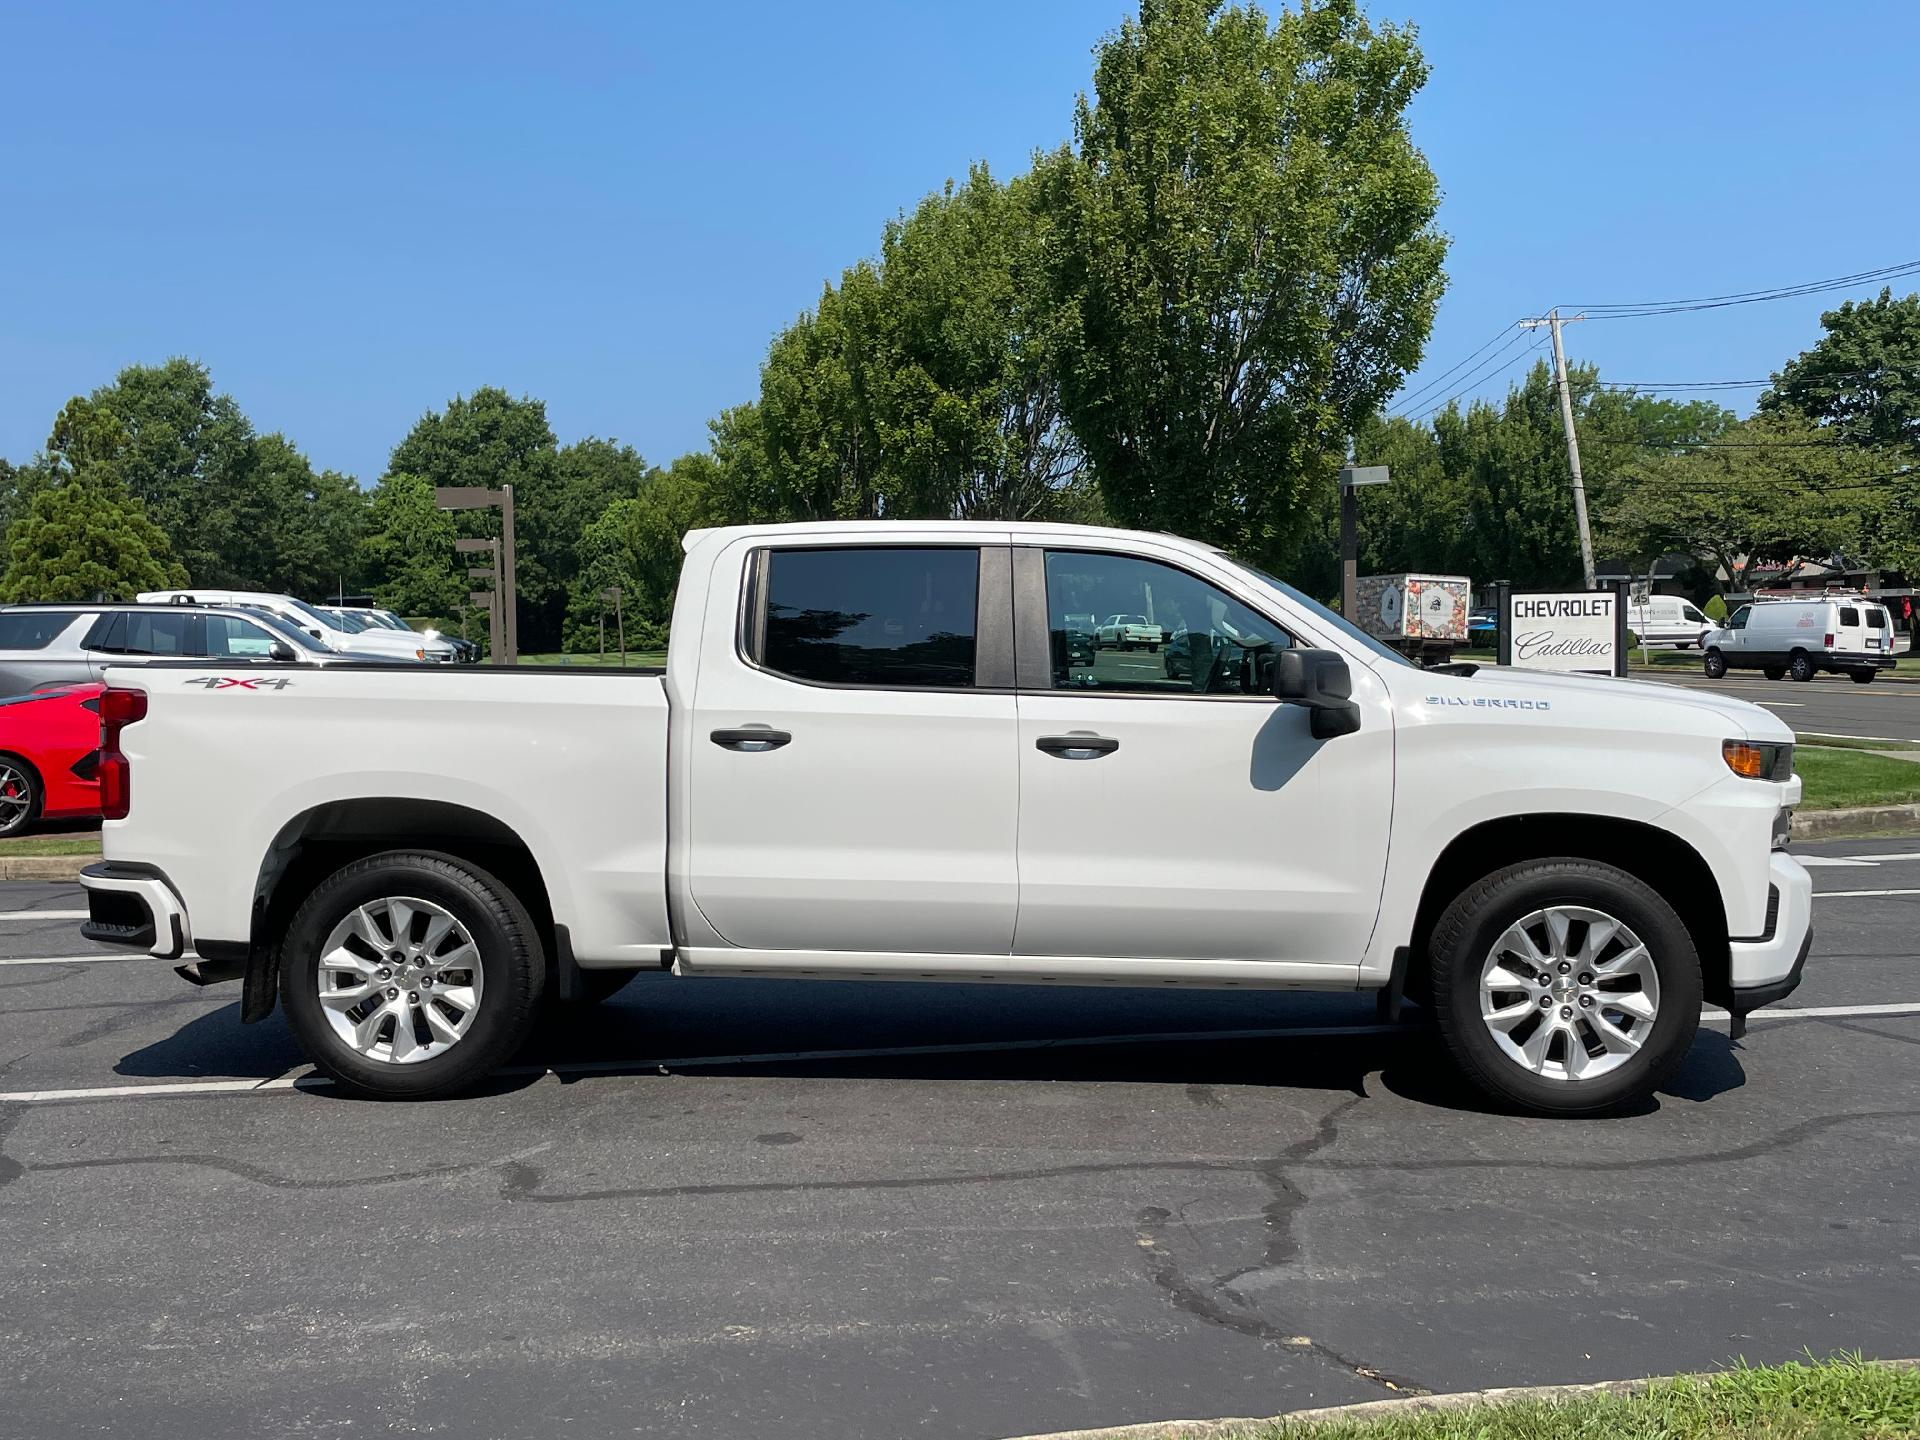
(129, 904)
(1766, 968)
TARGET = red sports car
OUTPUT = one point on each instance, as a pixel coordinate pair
(49, 756)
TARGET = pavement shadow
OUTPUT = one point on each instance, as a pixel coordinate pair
(216, 1045)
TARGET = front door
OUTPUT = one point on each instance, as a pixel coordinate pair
(878, 813)
(1170, 808)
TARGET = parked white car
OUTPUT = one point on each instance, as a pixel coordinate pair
(1126, 632)
(330, 630)
(1850, 636)
(1668, 620)
(864, 759)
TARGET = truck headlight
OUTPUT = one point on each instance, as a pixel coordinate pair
(1755, 760)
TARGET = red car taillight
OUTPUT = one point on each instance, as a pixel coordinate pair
(118, 709)
(1829, 642)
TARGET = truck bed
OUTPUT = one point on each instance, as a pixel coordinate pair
(571, 760)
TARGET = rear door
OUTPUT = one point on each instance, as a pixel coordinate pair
(135, 636)
(851, 769)
(1852, 634)
(1170, 807)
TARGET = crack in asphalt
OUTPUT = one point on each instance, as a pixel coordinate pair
(1217, 1302)
(259, 1174)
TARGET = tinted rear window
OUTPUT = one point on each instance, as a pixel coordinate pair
(1849, 615)
(32, 629)
(1876, 617)
(872, 615)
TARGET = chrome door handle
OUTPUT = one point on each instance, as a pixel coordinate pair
(1077, 747)
(751, 739)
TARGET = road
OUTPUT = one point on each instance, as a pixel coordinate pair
(1827, 704)
(850, 1210)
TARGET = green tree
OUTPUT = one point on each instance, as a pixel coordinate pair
(1775, 491)
(636, 545)
(1863, 375)
(1245, 232)
(490, 439)
(306, 525)
(82, 536)
(408, 553)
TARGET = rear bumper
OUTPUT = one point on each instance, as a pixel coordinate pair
(1844, 663)
(1766, 968)
(134, 905)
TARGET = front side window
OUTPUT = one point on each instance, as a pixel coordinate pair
(1694, 617)
(229, 637)
(871, 615)
(1164, 632)
(1739, 621)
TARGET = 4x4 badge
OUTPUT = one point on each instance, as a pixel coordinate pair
(235, 682)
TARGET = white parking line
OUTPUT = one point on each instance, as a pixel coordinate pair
(1830, 894)
(43, 914)
(309, 1079)
(74, 959)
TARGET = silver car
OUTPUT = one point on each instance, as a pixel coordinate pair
(51, 644)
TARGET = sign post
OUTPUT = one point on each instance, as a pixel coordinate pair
(611, 596)
(506, 645)
(1352, 476)
(488, 599)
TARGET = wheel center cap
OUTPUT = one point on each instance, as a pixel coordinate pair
(1565, 988)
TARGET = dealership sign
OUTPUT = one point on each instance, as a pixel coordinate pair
(1581, 631)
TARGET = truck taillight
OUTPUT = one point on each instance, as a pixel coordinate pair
(1829, 642)
(118, 709)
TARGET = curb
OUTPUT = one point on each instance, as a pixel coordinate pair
(1866, 820)
(1385, 1409)
(44, 867)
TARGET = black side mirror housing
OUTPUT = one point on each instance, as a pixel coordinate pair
(1319, 680)
(281, 651)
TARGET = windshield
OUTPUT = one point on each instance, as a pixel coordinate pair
(352, 624)
(319, 617)
(285, 629)
(1320, 612)
(390, 620)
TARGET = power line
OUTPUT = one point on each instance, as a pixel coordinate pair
(1627, 310)
(1494, 366)
(1407, 401)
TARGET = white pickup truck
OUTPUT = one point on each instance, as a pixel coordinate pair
(873, 754)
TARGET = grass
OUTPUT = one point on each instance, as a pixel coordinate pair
(1853, 742)
(636, 659)
(1843, 778)
(50, 845)
(1840, 1399)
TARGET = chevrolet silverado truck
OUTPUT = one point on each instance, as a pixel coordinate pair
(873, 754)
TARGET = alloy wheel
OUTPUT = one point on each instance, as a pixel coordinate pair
(400, 980)
(1569, 993)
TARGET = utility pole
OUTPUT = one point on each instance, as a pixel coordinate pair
(1553, 322)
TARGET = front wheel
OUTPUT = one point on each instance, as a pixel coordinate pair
(1801, 666)
(1715, 664)
(410, 976)
(1565, 987)
(1774, 672)
(1863, 677)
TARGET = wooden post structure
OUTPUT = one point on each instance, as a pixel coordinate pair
(505, 648)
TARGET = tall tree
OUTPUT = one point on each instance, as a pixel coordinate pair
(188, 460)
(306, 525)
(408, 553)
(1863, 375)
(636, 545)
(82, 535)
(1246, 234)
(490, 439)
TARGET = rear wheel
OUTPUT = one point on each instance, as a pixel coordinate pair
(411, 975)
(1774, 672)
(20, 795)
(1863, 677)
(1801, 666)
(1715, 664)
(1565, 987)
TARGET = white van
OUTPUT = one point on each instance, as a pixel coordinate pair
(1667, 620)
(1846, 635)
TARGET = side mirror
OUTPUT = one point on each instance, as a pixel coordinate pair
(316, 635)
(1319, 680)
(282, 652)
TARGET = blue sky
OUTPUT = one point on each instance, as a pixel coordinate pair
(352, 212)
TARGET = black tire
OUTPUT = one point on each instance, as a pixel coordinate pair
(1800, 666)
(1773, 672)
(596, 987)
(18, 819)
(1152, 648)
(1862, 677)
(1473, 923)
(1715, 664)
(512, 962)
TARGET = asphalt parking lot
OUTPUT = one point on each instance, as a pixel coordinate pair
(828, 1209)
(1826, 704)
